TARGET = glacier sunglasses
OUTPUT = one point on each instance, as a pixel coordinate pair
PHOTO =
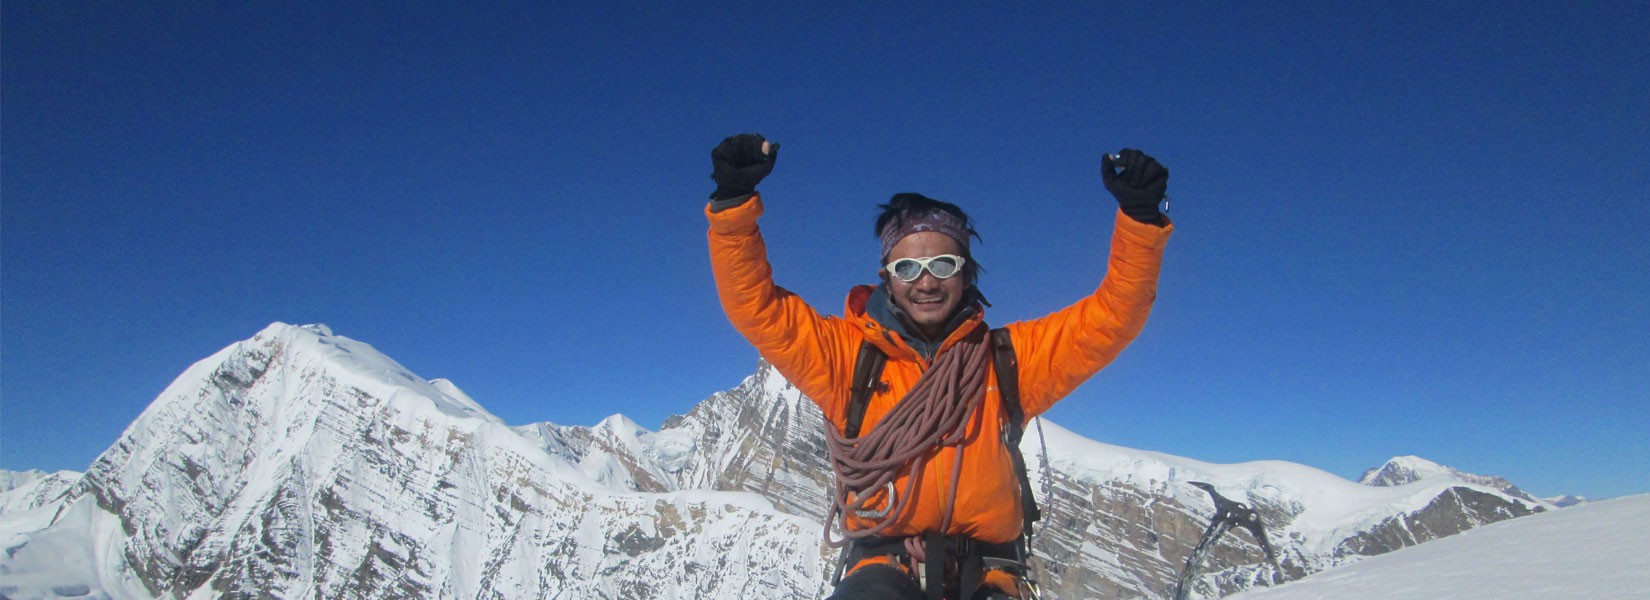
(944, 266)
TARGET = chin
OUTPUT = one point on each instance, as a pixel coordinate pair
(936, 318)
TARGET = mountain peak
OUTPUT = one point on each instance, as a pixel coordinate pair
(308, 343)
(1404, 470)
(1400, 470)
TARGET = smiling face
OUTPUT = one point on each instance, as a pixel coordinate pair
(929, 301)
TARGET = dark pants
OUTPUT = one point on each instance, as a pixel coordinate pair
(886, 582)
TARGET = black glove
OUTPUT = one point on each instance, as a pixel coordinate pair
(1141, 185)
(739, 164)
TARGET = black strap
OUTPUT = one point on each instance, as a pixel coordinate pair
(969, 557)
(934, 545)
(867, 369)
(1008, 378)
(1008, 388)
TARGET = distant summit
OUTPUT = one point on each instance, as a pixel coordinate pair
(1404, 470)
(1567, 501)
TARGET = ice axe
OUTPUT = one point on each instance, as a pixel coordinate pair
(1227, 514)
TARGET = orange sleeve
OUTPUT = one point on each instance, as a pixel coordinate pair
(1059, 352)
(802, 345)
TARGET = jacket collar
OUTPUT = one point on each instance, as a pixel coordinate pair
(875, 305)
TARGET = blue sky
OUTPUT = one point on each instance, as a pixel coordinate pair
(1401, 229)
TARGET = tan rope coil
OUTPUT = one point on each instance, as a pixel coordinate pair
(935, 413)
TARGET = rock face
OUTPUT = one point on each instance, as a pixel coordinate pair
(302, 464)
(1454, 511)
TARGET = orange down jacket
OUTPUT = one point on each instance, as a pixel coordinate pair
(1056, 353)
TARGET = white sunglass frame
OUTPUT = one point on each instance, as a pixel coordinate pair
(923, 264)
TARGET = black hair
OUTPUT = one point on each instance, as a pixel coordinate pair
(912, 203)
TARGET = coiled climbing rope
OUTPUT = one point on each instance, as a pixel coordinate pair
(935, 413)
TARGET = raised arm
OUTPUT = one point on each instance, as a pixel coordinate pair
(1062, 350)
(804, 346)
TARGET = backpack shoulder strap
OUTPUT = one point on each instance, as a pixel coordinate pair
(1008, 388)
(1008, 379)
(867, 369)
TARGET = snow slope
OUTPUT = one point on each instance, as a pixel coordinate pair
(1595, 551)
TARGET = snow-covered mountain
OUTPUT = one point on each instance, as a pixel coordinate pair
(1141, 512)
(1597, 552)
(25, 490)
(1567, 500)
(302, 463)
(1404, 470)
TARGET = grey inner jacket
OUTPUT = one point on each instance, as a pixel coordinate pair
(881, 307)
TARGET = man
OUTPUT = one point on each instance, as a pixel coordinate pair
(931, 485)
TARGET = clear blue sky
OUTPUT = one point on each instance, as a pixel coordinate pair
(1401, 228)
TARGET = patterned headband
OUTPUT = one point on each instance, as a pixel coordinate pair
(930, 220)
